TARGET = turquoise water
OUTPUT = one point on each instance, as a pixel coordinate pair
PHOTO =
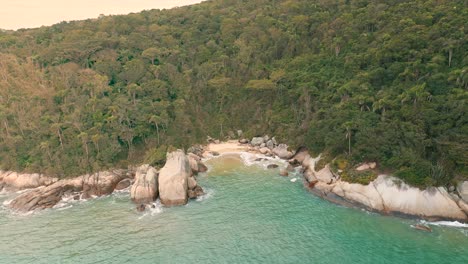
(250, 215)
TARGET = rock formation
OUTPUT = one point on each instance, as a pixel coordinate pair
(97, 184)
(174, 179)
(145, 188)
(385, 194)
(14, 181)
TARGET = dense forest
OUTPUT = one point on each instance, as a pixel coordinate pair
(362, 80)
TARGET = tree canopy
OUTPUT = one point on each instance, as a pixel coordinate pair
(383, 81)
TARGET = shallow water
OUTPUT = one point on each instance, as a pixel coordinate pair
(249, 215)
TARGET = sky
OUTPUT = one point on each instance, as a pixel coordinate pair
(15, 14)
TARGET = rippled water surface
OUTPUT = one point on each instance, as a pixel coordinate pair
(250, 215)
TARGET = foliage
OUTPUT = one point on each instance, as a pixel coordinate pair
(368, 80)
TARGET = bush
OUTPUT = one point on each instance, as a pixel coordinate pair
(156, 156)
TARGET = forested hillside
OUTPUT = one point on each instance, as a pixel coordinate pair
(383, 81)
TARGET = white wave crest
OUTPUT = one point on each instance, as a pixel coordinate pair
(208, 194)
(446, 223)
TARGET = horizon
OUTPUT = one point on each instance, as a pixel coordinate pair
(31, 14)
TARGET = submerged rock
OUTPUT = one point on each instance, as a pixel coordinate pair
(145, 188)
(284, 173)
(272, 166)
(141, 208)
(422, 227)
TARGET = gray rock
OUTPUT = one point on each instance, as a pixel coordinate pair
(243, 141)
(256, 141)
(272, 166)
(270, 144)
(282, 151)
(239, 133)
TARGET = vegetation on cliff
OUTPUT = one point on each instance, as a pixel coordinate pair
(368, 80)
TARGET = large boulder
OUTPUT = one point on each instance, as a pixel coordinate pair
(257, 141)
(282, 151)
(173, 179)
(145, 188)
(19, 181)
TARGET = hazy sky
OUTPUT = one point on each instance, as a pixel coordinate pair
(16, 14)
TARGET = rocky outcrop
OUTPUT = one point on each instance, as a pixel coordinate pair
(145, 188)
(173, 179)
(385, 194)
(97, 184)
(13, 181)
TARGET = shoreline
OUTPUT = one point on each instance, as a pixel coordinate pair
(322, 183)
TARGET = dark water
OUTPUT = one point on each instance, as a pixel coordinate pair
(250, 215)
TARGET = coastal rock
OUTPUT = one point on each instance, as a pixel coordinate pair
(257, 141)
(432, 202)
(264, 150)
(173, 179)
(145, 188)
(123, 184)
(270, 144)
(309, 175)
(196, 192)
(463, 205)
(97, 184)
(272, 166)
(462, 189)
(283, 172)
(196, 150)
(243, 141)
(102, 183)
(282, 151)
(422, 227)
(18, 181)
(367, 166)
(325, 175)
(301, 154)
(366, 195)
